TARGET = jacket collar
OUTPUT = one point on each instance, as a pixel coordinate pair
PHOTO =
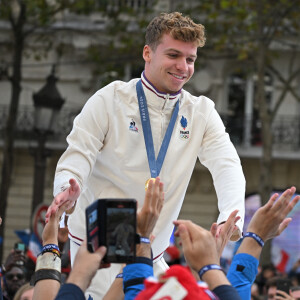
(156, 98)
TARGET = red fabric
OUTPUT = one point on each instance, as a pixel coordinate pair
(31, 256)
(186, 279)
(284, 260)
(173, 251)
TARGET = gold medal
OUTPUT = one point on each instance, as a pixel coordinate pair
(147, 183)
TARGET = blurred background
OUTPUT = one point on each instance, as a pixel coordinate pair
(55, 54)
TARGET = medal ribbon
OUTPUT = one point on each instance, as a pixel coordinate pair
(154, 165)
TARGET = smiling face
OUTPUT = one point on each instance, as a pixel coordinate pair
(171, 64)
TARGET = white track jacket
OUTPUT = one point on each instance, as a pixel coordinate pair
(106, 154)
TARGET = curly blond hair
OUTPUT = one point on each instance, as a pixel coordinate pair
(178, 26)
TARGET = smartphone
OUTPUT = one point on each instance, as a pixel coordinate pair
(112, 223)
(20, 247)
(283, 285)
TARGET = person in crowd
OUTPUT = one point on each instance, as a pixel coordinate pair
(14, 273)
(294, 273)
(13, 279)
(267, 271)
(272, 291)
(47, 277)
(254, 291)
(120, 140)
(25, 292)
(20, 258)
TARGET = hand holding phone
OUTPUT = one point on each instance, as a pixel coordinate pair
(283, 285)
(112, 223)
(20, 250)
(20, 247)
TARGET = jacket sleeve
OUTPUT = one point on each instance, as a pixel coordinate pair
(84, 142)
(218, 154)
(242, 273)
(226, 292)
(69, 291)
(133, 277)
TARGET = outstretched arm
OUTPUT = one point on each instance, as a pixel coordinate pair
(86, 265)
(48, 288)
(220, 157)
(200, 251)
(199, 248)
(268, 222)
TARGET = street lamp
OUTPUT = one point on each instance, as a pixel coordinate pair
(47, 104)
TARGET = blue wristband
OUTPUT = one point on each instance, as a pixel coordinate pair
(120, 275)
(207, 268)
(144, 240)
(256, 237)
(50, 247)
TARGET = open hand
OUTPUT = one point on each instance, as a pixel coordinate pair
(223, 232)
(270, 220)
(198, 244)
(69, 195)
(50, 232)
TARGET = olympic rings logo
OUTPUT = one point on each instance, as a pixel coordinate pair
(184, 136)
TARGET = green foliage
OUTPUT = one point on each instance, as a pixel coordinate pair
(41, 13)
(239, 26)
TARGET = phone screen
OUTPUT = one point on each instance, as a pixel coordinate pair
(120, 233)
(20, 247)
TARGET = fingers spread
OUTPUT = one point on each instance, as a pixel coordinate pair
(291, 205)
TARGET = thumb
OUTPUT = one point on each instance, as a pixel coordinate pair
(284, 224)
(184, 236)
(72, 181)
(101, 251)
(214, 229)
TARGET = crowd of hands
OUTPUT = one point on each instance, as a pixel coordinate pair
(200, 246)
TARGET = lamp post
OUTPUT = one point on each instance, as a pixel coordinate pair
(47, 104)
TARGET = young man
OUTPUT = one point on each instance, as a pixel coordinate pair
(129, 132)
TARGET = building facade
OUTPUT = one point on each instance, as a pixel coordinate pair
(221, 80)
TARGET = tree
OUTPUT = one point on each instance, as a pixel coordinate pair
(253, 32)
(24, 18)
